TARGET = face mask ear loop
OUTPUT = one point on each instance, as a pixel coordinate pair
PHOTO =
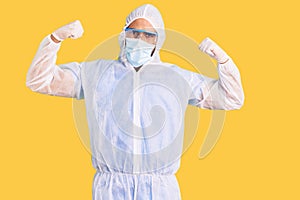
(153, 51)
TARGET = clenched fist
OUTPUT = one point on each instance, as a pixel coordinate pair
(212, 49)
(72, 30)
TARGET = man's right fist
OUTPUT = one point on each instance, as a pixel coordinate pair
(72, 30)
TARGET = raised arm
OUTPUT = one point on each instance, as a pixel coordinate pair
(44, 76)
(225, 93)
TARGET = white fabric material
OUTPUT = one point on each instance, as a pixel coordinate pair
(136, 119)
(72, 30)
(212, 49)
(138, 52)
(151, 14)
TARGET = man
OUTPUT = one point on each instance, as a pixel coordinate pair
(135, 105)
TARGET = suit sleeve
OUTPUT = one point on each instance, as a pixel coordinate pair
(45, 77)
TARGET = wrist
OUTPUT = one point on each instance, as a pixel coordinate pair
(223, 62)
(54, 39)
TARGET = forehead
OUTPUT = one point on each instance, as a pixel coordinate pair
(141, 23)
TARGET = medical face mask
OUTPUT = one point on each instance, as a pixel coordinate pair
(138, 52)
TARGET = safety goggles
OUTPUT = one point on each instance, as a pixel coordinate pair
(147, 36)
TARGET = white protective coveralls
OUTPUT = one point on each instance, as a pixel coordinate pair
(135, 118)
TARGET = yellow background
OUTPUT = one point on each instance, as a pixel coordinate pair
(257, 156)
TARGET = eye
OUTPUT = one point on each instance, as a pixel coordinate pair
(149, 35)
(135, 33)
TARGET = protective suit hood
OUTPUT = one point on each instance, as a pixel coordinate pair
(152, 15)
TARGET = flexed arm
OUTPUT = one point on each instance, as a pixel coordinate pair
(225, 93)
(44, 76)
